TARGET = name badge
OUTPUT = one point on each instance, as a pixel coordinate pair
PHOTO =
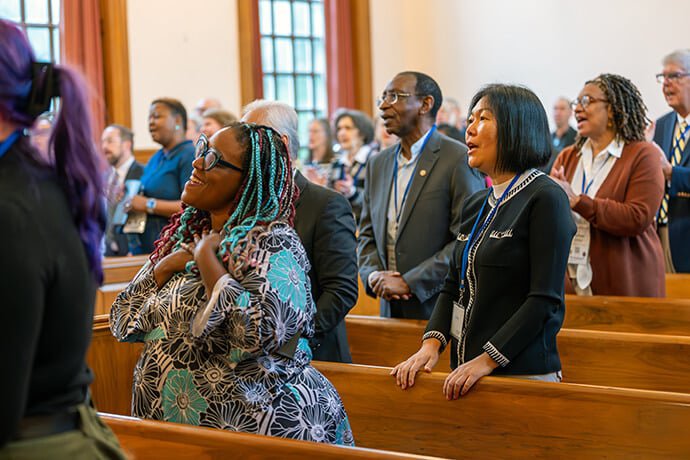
(457, 321)
(579, 249)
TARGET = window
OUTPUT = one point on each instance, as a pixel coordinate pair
(293, 58)
(41, 21)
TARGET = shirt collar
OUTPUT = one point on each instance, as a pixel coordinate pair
(416, 149)
(124, 168)
(679, 119)
(615, 148)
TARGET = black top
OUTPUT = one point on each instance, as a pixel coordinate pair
(324, 223)
(47, 295)
(558, 144)
(514, 286)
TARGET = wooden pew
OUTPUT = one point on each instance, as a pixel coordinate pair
(122, 269)
(500, 418)
(143, 439)
(641, 361)
(105, 296)
(678, 285)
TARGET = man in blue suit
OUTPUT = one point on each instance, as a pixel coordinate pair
(672, 134)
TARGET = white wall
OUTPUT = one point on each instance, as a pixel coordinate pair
(182, 49)
(551, 46)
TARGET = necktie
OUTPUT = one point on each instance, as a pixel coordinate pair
(676, 155)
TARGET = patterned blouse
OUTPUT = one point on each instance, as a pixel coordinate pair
(216, 362)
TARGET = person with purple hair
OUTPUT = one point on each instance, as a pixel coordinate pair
(53, 219)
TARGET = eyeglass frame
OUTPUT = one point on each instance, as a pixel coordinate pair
(381, 99)
(671, 77)
(581, 101)
(199, 153)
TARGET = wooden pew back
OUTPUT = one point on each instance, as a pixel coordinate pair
(122, 269)
(678, 285)
(144, 439)
(642, 361)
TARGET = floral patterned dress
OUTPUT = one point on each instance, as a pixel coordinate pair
(231, 373)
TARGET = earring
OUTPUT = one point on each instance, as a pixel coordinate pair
(177, 127)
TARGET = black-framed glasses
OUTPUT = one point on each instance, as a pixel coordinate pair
(584, 101)
(392, 97)
(671, 77)
(211, 156)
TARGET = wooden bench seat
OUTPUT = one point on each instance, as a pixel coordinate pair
(500, 418)
(144, 439)
(642, 361)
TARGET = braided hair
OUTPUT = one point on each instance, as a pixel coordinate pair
(629, 110)
(266, 197)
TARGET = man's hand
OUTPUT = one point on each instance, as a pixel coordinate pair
(390, 285)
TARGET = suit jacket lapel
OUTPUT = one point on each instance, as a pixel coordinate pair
(427, 159)
(301, 183)
(668, 137)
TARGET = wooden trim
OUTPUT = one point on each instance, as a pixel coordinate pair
(339, 65)
(251, 75)
(116, 62)
(361, 56)
(144, 155)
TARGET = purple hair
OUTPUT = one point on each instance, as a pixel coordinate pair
(77, 165)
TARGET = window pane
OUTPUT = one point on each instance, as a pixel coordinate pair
(267, 54)
(283, 55)
(265, 17)
(9, 9)
(302, 55)
(283, 17)
(305, 93)
(39, 37)
(269, 88)
(55, 10)
(319, 57)
(36, 11)
(304, 118)
(320, 93)
(301, 17)
(56, 45)
(286, 90)
(318, 26)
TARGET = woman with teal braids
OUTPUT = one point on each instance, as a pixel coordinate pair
(224, 305)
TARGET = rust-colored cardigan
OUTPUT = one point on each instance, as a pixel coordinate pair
(625, 251)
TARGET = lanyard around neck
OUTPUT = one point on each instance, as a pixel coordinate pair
(398, 211)
(587, 185)
(9, 142)
(474, 233)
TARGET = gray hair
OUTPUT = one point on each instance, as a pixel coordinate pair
(680, 57)
(277, 115)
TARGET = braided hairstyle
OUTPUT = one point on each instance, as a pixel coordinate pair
(266, 197)
(629, 110)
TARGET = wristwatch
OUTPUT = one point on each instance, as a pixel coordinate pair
(150, 205)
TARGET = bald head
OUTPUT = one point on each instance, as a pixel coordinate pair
(276, 115)
(206, 103)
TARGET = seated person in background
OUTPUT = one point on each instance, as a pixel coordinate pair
(213, 120)
(502, 303)
(224, 306)
(321, 154)
(615, 185)
(205, 104)
(116, 143)
(165, 174)
(355, 133)
(564, 134)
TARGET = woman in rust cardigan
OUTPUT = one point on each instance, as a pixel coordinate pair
(614, 182)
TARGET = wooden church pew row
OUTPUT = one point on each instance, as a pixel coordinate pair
(145, 439)
(678, 285)
(122, 269)
(642, 361)
(105, 296)
(500, 418)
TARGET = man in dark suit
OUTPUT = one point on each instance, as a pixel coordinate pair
(324, 223)
(564, 135)
(116, 143)
(672, 134)
(412, 201)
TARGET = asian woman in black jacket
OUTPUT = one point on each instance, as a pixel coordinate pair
(502, 303)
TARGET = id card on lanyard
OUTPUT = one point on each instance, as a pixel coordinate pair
(458, 317)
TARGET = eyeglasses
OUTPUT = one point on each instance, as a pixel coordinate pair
(584, 101)
(211, 156)
(671, 77)
(392, 97)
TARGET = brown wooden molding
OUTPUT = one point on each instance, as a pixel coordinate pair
(361, 56)
(116, 62)
(251, 75)
(144, 155)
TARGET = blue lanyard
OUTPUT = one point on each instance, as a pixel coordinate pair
(7, 143)
(585, 189)
(682, 137)
(398, 212)
(474, 233)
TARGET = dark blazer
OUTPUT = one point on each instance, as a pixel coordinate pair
(114, 233)
(428, 225)
(513, 297)
(324, 223)
(679, 193)
(557, 146)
